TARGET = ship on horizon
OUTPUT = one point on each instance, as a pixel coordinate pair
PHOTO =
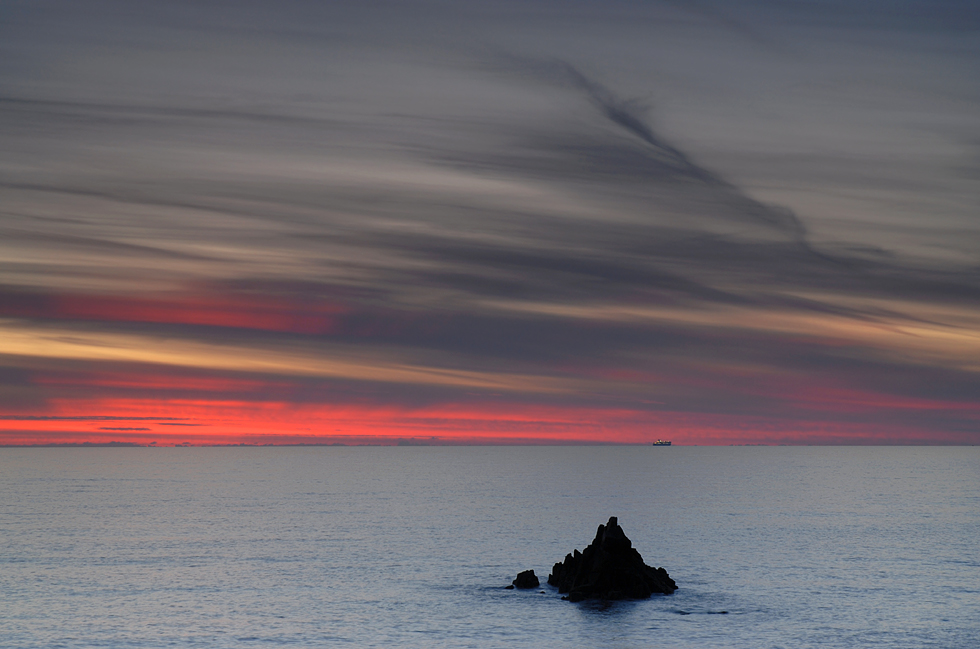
(662, 442)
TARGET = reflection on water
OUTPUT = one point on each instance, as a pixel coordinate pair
(802, 547)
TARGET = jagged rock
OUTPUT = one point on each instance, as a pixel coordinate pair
(610, 568)
(526, 579)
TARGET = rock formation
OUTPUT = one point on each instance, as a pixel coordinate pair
(610, 568)
(526, 579)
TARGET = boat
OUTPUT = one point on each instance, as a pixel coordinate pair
(662, 442)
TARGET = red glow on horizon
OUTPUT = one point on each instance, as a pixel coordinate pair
(202, 422)
(81, 401)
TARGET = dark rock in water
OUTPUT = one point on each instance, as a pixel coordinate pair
(526, 579)
(610, 568)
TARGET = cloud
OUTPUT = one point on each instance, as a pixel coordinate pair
(81, 418)
(318, 203)
(261, 312)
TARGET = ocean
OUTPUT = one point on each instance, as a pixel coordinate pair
(771, 547)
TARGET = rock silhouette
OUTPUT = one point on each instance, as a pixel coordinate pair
(526, 579)
(610, 568)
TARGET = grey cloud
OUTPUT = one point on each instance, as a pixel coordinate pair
(757, 36)
(53, 113)
(53, 240)
(580, 198)
(629, 116)
(641, 171)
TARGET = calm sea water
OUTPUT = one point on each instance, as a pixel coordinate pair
(411, 547)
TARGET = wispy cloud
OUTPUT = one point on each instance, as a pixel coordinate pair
(653, 210)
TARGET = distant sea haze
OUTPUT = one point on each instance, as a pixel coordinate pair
(810, 547)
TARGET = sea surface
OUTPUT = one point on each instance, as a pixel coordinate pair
(412, 546)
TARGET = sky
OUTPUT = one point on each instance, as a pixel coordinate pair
(752, 222)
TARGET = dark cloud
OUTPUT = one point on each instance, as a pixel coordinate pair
(115, 115)
(470, 187)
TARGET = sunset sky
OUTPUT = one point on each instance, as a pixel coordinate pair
(482, 222)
